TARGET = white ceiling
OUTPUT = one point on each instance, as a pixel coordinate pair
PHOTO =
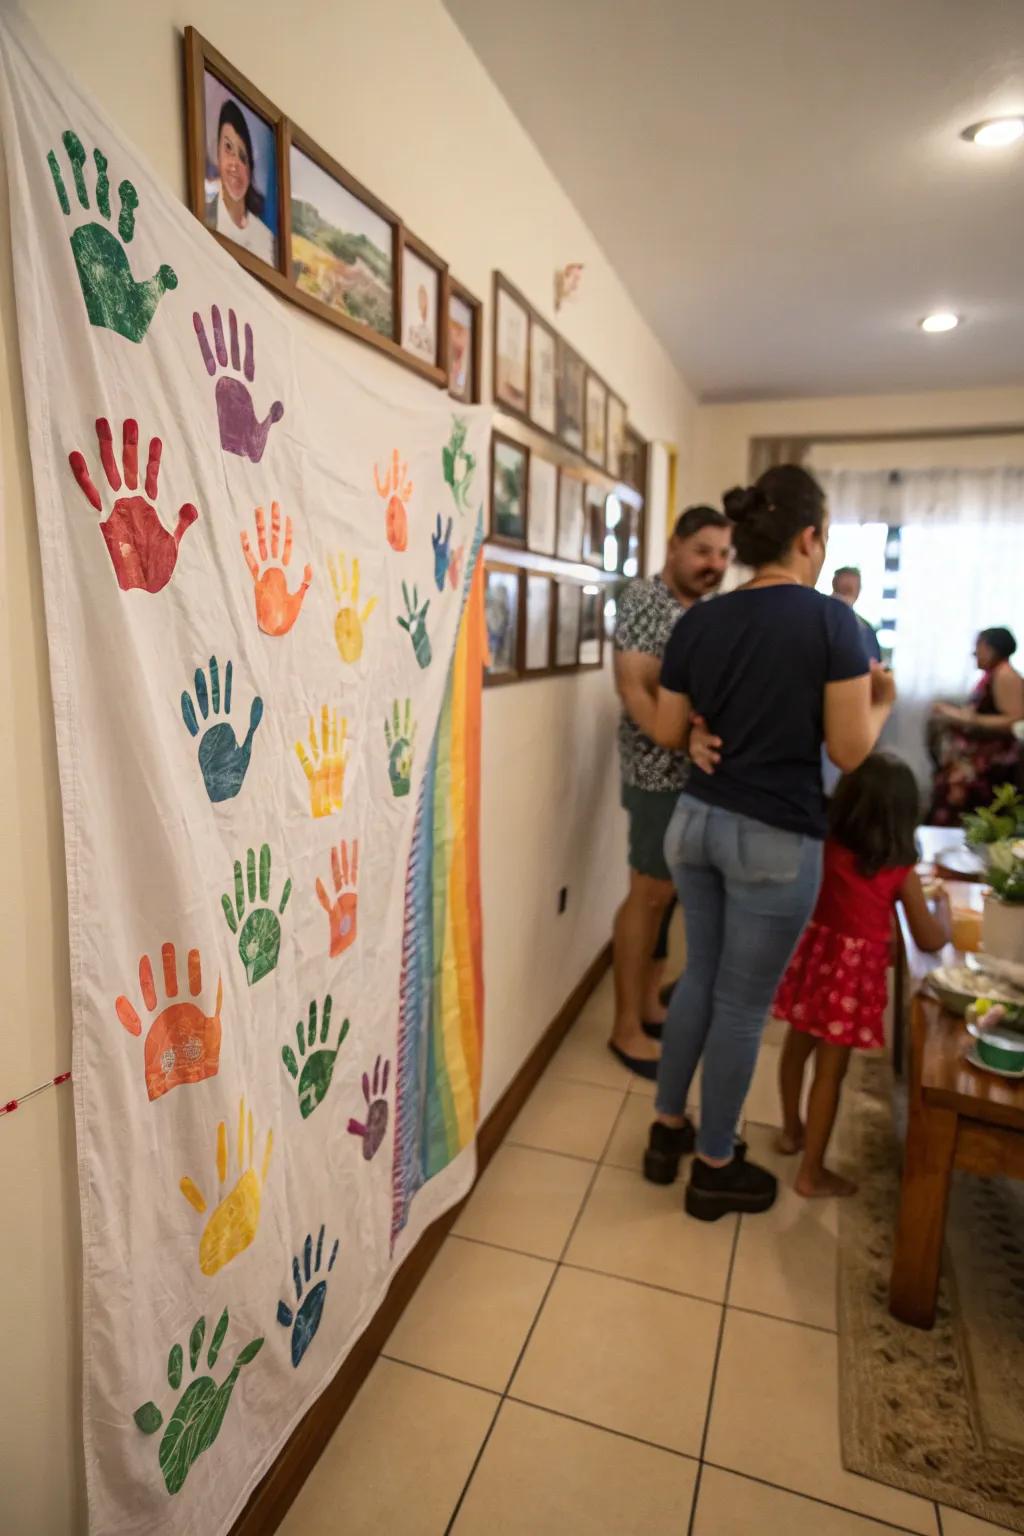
(780, 183)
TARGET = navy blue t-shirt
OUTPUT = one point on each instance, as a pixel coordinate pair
(755, 663)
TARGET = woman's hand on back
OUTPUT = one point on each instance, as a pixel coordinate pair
(703, 748)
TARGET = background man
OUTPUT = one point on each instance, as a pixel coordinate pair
(696, 560)
(846, 586)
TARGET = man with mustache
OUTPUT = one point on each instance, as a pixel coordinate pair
(696, 560)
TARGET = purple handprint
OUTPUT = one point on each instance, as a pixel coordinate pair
(240, 432)
(372, 1130)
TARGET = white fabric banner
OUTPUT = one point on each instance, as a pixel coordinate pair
(261, 598)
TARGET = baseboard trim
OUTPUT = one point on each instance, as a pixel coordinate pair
(273, 1496)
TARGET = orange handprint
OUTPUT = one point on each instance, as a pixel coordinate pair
(396, 486)
(276, 607)
(183, 1043)
(326, 770)
(341, 913)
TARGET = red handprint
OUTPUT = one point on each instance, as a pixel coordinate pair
(342, 912)
(276, 607)
(143, 553)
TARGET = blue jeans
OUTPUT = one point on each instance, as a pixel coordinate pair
(747, 890)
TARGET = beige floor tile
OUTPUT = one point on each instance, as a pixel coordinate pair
(786, 1258)
(547, 1476)
(472, 1312)
(728, 1505)
(775, 1415)
(624, 1357)
(573, 1118)
(526, 1200)
(629, 1138)
(955, 1523)
(638, 1231)
(584, 1057)
(399, 1459)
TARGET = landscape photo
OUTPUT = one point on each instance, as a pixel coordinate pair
(341, 249)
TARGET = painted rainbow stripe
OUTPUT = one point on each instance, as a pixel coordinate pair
(441, 999)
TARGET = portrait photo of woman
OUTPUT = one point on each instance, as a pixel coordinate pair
(241, 173)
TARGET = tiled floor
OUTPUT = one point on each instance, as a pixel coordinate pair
(584, 1359)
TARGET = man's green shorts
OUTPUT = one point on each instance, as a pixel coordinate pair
(650, 811)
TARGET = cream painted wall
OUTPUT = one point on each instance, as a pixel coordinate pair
(921, 453)
(722, 433)
(392, 90)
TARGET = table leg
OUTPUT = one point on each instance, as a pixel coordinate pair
(921, 1226)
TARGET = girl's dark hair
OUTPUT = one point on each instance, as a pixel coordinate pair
(874, 812)
(232, 114)
(770, 514)
(1000, 640)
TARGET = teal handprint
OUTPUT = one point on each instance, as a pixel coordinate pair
(317, 1067)
(195, 1423)
(458, 464)
(400, 735)
(113, 299)
(223, 759)
(259, 942)
(415, 625)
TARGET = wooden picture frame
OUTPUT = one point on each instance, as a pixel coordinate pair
(594, 527)
(615, 435)
(510, 381)
(508, 579)
(590, 653)
(595, 419)
(470, 393)
(417, 264)
(568, 609)
(543, 376)
(202, 60)
(504, 450)
(572, 376)
(543, 505)
(571, 502)
(538, 581)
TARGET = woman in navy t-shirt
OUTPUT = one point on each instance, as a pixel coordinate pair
(774, 669)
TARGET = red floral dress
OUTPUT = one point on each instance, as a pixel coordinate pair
(835, 986)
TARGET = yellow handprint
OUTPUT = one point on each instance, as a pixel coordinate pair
(348, 625)
(326, 771)
(233, 1224)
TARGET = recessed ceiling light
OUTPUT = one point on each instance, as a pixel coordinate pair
(942, 320)
(995, 132)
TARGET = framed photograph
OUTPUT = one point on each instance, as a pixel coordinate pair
(235, 152)
(464, 343)
(511, 347)
(616, 444)
(571, 376)
(594, 526)
(543, 503)
(540, 607)
(424, 278)
(344, 243)
(591, 627)
(543, 402)
(503, 617)
(509, 490)
(596, 419)
(568, 604)
(569, 545)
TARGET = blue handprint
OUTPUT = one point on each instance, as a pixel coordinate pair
(304, 1318)
(223, 760)
(442, 552)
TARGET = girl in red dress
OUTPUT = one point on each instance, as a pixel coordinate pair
(834, 992)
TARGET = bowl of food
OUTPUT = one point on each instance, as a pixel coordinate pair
(958, 986)
(998, 1031)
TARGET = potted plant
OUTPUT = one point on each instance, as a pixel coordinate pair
(995, 823)
(997, 830)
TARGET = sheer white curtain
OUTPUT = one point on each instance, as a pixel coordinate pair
(961, 570)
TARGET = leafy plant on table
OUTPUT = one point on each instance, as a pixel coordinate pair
(1000, 821)
(1006, 869)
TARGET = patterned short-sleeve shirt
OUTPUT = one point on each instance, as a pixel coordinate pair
(647, 614)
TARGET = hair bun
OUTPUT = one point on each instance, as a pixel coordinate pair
(741, 505)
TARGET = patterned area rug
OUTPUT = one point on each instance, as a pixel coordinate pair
(939, 1414)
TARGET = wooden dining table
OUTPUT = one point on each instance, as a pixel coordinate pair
(959, 1116)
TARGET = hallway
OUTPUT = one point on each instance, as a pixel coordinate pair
(532, 1385)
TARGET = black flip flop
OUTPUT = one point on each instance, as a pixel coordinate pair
(648, 1069)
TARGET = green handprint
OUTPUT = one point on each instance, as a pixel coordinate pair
(415, 625)
(400, 736)
(195, 1423)
(113, 299)
(259, 942)
(317, 1069)
(458, 464)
